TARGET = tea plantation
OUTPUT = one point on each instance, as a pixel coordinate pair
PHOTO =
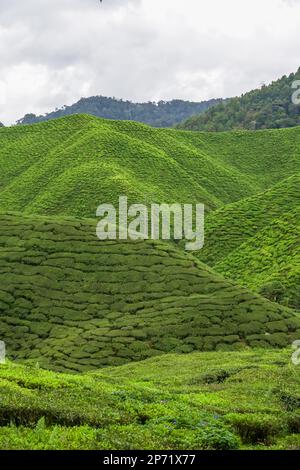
(147, 345)
(221, 401)
(71, 165)
(256, 241)
(72, 302)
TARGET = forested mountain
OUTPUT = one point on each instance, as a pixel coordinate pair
(161, 114)
(266, 108)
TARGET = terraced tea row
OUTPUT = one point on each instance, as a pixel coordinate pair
(71, 302)
(256, 241)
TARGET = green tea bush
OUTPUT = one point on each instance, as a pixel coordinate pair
(256, 428)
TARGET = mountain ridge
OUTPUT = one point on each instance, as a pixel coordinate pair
(160, 114)
(270, 107)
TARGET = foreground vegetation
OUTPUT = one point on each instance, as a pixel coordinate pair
(222, 401)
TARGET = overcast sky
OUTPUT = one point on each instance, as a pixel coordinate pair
(52, 52)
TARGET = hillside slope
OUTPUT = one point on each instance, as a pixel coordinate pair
(269, 262)
(71, 165)
(256, 241)
(270, 107)
(71, 302)
(161, 114)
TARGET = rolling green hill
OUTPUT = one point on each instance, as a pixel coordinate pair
(73, 303)
(220, 401)
(270, 107)
(256, 241)
(71, 165)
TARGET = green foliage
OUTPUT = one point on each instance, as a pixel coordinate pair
(86, 304)
(73, 304)
(68, 166)
(255, 242)
(291, 402)
(266, 108)
(273, 291)
(71, 165)
(256, 428)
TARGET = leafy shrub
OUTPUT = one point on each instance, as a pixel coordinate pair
(218, 376)
(290, 402)
(293, 422)
(273, 291)
(256, 428)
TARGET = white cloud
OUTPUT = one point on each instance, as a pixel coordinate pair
(52, 52)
